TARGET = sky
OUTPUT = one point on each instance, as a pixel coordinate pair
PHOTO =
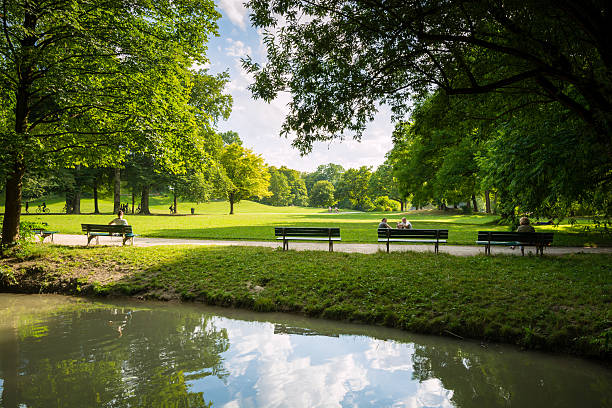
(258, 123)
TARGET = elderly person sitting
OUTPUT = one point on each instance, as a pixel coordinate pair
(119, 220)
(404, 224)
(524, 225)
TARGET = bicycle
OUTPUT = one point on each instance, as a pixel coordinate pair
(43, 209)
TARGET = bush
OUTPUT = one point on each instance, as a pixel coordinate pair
(384, 203)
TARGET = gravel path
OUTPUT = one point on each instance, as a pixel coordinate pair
(460, 250)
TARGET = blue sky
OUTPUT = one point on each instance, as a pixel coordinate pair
(258, 123)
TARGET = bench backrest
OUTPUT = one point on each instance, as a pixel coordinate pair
(412, 233)
(505, 236)
(114, 229)
(306, 232)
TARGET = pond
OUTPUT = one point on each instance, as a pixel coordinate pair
(71, 352)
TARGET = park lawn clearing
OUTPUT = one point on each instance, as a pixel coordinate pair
(255, 222)
(551, 303)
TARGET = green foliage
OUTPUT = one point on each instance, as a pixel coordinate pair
(339, 60)
(353, 185)
(85, 83)
(384, 203)
(243, 175)
(322, 194)
(330, 172)
(279, 188)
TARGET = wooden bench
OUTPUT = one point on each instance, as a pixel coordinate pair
(537, 239)
(97, 230)
(307, 234)
(44, 233)
(419, 236)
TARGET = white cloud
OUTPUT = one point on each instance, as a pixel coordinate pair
(235, 10)
(237, 49)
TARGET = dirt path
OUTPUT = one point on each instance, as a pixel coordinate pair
(460, 250)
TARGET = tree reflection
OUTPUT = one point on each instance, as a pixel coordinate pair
(480, 378)
(111, 357)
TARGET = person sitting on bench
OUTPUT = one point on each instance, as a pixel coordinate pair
(119, 220)
(383, 224)
(524, 225)
(404, 224)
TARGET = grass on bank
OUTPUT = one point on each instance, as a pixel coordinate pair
(550, 303)
(255, 221)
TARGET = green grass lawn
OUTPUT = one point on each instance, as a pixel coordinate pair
(552, 303)
(254, 221)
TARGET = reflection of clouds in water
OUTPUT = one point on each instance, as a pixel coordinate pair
(298, 383)
(283, 381)
(390, 356)
(275, 372)
(430, 393)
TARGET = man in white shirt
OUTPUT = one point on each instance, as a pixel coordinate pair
(404, 224)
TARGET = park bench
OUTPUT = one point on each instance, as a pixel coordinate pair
(44, 233)
(96, 231)
(307, 234)
(417, 236)
(537, 239)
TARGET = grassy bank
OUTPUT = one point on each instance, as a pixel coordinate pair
(557, 303)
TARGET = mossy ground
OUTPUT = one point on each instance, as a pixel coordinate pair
(550, 303)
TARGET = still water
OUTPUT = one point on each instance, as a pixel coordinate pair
(58, 351)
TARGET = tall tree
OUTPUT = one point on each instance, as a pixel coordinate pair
(383, 183)
(322, 194)
(244, 174)
(89, 80)
(279, 189)
(331, 172)
(339, 58)
(353, 186)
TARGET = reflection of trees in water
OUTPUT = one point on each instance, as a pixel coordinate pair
(491, 379)
(82, 362)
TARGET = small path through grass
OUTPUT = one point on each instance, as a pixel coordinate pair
(459, 250)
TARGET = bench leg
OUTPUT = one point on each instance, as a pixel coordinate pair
(436, 250)
(331, 246)
(522, 250)
(387, 246)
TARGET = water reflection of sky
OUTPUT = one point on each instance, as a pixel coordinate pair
(274, 370)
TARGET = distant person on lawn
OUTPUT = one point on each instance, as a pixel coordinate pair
(524, 225)
(383, 224)
(119, 220)
(404, 224)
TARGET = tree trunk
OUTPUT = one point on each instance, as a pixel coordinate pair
(488, 201)
(231, 200)
(474, 201)
(469, 205)
(95, 197)
(174, 210)
(117, 196)
(133, 199)
(12, 206)
(402, 205)
(14, 178)
(69, 201)
(76, 201)
(144, 200)
(495, 202)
